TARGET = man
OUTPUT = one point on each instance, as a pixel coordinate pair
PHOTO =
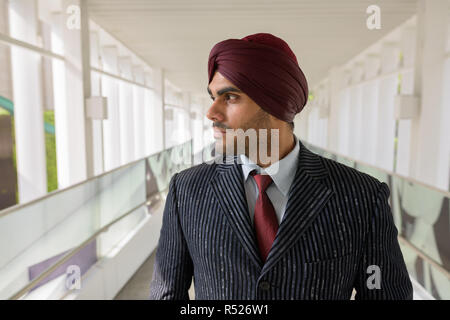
(297, 227)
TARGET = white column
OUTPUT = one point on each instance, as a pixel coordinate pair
(301, 123)
(170, 123)
(111, 126)
(356, 120)
(159, 100)
(149, 126)
(86, 84)
(335, 109)
(139, 113)
(60, 100)
(322, 121)
(369, 109)
(69, 101)
(317, 123)
(5, 57)
(430, 150)
(344, 114)
(313, 125)
(385, 143)
(126, 112)
(150, 119)
(408, 45)
(197, 126)
(28, 116)
(96, 90)
(208, 137)
(187, 127)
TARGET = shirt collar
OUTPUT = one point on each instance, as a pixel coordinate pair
(282, 175)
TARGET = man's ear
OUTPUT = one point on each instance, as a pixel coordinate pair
(274, 121)
(277, 123)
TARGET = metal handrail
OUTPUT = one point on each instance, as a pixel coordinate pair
(18, 206)
(409, 179)
(25, 45)
(71, 253)
(430, 260)
(114, 76)
(381, 76)
(64, 259)
(105, 228)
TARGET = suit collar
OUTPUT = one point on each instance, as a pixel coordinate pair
(307, 196)
(282, 173)
(308, 162)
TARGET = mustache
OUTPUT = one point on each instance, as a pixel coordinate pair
(220, 125)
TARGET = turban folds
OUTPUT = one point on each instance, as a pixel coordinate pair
(263, 67)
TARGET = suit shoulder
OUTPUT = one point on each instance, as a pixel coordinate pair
(200, 173)
(342, 173)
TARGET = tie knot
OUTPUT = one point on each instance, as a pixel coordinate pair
(262, 180)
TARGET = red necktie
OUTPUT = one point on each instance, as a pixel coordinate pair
(265, 220)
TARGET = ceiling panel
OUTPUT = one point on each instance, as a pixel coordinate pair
(178, 34)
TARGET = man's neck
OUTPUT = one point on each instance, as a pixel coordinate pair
(287, 144)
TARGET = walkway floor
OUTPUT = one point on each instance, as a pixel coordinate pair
(138, 287)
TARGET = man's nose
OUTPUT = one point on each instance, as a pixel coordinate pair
(215, 112)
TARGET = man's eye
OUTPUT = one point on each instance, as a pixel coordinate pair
(231, 97)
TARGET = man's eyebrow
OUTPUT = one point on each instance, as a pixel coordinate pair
(224, 90)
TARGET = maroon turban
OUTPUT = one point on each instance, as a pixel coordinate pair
(265, 68)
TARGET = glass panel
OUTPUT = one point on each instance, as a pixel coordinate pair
(35, 236)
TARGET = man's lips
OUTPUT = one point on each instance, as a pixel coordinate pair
(218, 132)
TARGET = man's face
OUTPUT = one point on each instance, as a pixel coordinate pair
(233, 109)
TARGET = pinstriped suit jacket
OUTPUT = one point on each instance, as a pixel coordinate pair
(337, 223)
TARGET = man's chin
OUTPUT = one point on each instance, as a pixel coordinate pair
(221, 148)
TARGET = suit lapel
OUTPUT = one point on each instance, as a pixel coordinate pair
(228, 187)
(307, 196)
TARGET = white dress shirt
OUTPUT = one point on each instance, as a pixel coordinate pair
(282, 176)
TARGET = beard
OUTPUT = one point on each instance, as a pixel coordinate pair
(254, 139)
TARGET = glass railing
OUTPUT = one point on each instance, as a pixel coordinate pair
(421, 214)
(79, 225)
